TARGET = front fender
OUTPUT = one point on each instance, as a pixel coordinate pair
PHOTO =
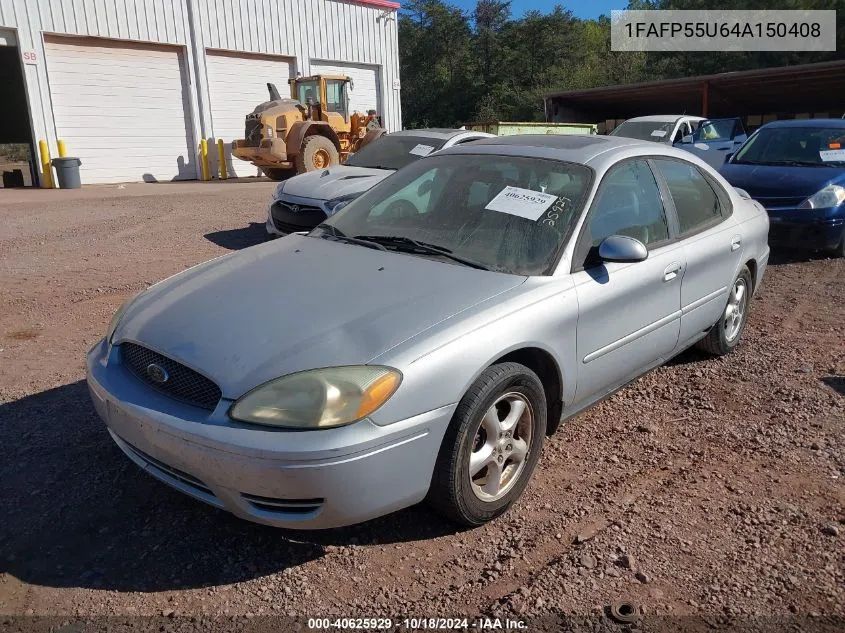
(297, 134)
(441, 364)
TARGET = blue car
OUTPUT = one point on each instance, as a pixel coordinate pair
(796, 169)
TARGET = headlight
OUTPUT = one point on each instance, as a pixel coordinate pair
(318, 398)
(277, 192)
(336, 204)
(826, 198)
(117, 316)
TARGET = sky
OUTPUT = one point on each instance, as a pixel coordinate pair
(581, 8)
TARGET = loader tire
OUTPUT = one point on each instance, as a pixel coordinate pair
(277, 173)
(317, 152)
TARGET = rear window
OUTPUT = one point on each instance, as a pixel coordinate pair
(394, 152)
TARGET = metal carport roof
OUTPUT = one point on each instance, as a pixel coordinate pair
(786, 89)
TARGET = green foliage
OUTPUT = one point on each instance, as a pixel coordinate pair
(459, 67)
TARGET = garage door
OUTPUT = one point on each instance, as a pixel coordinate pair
(122, 109)
(236, 84)
(365, 93)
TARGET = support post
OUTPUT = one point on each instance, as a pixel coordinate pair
(46, 165)
(221, 159)
(204, 159)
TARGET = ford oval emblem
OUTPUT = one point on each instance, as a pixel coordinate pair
(157, 373)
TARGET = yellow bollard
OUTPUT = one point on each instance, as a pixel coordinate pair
(221, 159)
(204, 159)
(62, 149)
(46, 166)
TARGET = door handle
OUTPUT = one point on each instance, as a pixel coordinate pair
(736, 242)
(671, 271)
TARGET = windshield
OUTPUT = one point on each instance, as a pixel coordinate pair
(394, 152)
(308, 92)
(503, 213)
(794, 145)
(658, 131)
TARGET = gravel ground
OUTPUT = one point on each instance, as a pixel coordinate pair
(709, 488)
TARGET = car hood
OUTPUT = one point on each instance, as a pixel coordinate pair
(781, 181)
(333, 182)
(299, 303)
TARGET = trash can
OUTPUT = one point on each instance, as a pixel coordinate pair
(67, 172)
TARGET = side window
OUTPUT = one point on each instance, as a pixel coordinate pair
(697, 204)
(628, 203)
(335, 101)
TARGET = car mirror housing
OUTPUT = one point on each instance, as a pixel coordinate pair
(687, 139)
(621, 248)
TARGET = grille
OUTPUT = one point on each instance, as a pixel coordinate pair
(253, 132)
(288, 221)
(284, 506)
(175, 473)
(182, 383)
(772, 203)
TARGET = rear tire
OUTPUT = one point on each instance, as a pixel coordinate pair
(277, 173)
(317, 152)
(497, 430)
(724, 336)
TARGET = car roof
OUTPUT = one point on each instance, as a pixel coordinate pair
(839, 123)
(578, 148)
(434, 132)
(664, 118)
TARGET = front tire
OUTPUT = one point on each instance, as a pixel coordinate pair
(724, 336)
(491, 446)
(317, 152)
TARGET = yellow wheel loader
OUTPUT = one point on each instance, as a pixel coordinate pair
(313, 129)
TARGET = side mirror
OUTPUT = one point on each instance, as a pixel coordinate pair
(621, 248)
(424, 187)
(687, 139)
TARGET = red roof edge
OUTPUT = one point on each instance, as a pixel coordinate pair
(387, 4)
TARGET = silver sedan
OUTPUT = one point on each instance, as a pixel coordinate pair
(423, 342)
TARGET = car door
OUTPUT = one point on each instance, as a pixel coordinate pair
(711, 241)
(628, 313)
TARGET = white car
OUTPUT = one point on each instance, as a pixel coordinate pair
(304, 201)
(660, 128)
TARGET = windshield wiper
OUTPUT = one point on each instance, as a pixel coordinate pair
(776, 163)
(331, 233)
(408, 245)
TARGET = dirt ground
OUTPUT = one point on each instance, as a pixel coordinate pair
(709, 488)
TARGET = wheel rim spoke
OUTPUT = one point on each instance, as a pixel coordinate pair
(480, 458)
(520, 450)
(493, 484)
(491, 423)
(517, 409)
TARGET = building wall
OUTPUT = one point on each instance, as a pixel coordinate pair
(362, 31)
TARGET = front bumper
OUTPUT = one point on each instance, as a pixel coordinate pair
(821, 229)
(291, 479)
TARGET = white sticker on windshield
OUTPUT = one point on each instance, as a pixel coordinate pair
(522, 202)
(832, 154)
(659, 133)
(421, 150)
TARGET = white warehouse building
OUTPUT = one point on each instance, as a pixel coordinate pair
(132, 86)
